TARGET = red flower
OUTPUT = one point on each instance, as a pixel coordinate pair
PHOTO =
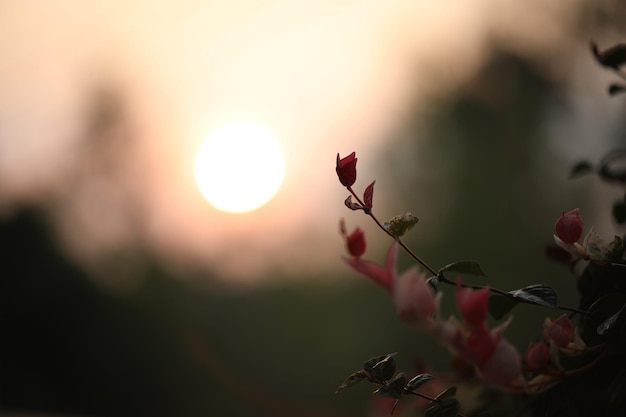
(560, 330)
(537, 355)
(346, 169)
(356, 243)
(472, 304)
(569, 227)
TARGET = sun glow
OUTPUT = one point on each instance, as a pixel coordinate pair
(239, 167)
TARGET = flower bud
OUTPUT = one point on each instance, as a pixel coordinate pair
(537, 355)
(559, 330)
(399, 225)
(569, 227)
(356, 243)
(346, 169)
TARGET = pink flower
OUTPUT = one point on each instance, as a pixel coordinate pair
(503, 366)
(560, 330)
(537, 355)
(383, 275)
(478, 344)
(569, 227)
(414, 300)
(495, 359)
(346, 169)
(472, 304)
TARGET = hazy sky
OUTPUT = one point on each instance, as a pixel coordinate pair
(324, 76)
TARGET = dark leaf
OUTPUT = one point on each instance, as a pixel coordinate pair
(537, 294)
(448, 407)
(612, 57)
(352, 206)
(615, 89)
(602, 318)
(500, 306)
(613, 166)
(368, 195)
(581, 168)
(619, 212)
(450, 392)
(352, 380)
(464, 267)
(417, 381)
(433, 282)
(394, 388)
(384, 369)
(389, 362)
(607, 324)
(543, 295)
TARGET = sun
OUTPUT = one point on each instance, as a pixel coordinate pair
(239, 167)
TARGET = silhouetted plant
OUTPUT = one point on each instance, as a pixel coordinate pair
(578, 365)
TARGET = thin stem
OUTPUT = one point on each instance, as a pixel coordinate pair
(439, 275)
(370, 213)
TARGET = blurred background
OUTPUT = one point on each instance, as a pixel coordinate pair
(124, 293)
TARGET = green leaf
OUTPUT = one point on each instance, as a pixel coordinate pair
(580, 169)
(537, 294)
(353, 379)
(417, 381)
(464, 267)
(394, 388)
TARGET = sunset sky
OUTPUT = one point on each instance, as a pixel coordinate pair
(322, 76)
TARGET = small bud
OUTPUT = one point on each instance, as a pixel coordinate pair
(356, 243)
(569, 227)
(399, 225)
(537, 355)
(346, 169)
(559, 330)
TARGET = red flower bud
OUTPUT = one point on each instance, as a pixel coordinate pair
(472, 304)
(346, 169)
(356, 243)
(569, 227)
(537, 355)
(560, 330)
